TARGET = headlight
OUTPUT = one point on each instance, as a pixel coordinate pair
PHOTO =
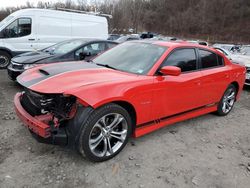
(16, 65)
(28, 66)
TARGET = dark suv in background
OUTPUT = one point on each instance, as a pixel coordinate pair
(70, 50)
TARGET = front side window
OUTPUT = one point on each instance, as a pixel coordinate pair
(94, 48)
(185, 59)
(208, 59)
(19, 28)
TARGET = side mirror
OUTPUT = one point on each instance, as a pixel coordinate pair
(170, 70)
(83, 55)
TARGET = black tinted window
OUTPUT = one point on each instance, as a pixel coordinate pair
(220, 60)
(19, 28)
(183, 58)
(208, 59)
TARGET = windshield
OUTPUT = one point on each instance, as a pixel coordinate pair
(5, 20)
(131, 57)
(63, 47)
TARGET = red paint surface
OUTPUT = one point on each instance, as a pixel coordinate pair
(152, 97)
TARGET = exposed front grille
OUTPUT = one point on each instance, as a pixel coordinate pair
(37, 103)
(29, 105)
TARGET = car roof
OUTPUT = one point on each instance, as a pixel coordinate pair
(84, 41)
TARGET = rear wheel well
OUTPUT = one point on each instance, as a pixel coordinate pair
(236, 85)
(130, 109)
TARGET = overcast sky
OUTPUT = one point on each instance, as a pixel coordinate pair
(11, 3)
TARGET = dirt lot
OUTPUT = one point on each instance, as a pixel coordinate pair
(208, 151)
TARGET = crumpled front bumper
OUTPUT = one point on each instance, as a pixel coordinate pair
(39, 129)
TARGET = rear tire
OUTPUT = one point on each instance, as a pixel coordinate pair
(4, 59)
(105, 133)
(227, 101)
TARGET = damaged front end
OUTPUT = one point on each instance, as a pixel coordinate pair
(46, 115)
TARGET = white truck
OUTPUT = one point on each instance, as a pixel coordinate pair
(33, 29)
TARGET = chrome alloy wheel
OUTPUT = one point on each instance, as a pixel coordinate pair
(228, 100)
(108, 134)
(4, 61)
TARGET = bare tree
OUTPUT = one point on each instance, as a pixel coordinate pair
(222, 20)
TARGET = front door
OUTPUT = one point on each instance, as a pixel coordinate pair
(19, 36)
(178, 94)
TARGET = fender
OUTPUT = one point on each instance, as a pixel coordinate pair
(237, 77)
(12, 53)
(8, 51)
(97, 96)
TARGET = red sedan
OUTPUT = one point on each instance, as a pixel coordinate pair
(132, 89)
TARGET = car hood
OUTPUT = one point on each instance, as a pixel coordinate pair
(32, 57)
(64, 77)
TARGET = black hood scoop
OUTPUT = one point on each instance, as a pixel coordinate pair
(44, 72)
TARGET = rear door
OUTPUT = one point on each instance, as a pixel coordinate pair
(214, 76)
(178, 94)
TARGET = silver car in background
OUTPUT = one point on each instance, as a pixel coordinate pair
(238, 58)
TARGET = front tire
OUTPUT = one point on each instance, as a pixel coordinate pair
(105, 133)
(4, 59)
(227, 101)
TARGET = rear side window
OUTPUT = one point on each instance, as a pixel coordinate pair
(210, 59)
(183, 58)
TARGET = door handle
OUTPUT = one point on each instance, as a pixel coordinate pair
(198, 82)
(31, 39)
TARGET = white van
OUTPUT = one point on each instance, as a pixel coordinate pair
(33, 29)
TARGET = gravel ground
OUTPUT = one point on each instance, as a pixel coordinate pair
(207, 151)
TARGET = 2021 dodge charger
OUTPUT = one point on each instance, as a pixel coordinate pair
(132, 89)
